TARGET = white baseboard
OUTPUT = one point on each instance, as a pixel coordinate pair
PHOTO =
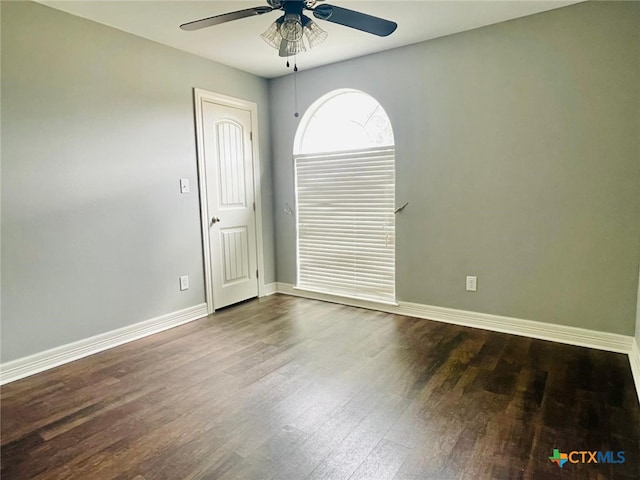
(527, 328)
(288, 289)
(634, 360)
(611, 342)
(269, 289)
(39, 362)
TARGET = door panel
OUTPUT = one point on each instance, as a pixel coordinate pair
(231, 178)
(235, 254)
(230, 201)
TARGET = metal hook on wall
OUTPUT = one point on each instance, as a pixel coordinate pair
(399, 209)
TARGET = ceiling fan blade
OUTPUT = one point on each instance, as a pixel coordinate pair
(351, 18)
(225, 17)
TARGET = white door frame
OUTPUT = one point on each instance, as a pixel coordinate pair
(200, 96)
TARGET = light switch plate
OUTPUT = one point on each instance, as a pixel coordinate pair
(184, 185)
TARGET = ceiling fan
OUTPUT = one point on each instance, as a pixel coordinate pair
(287, 32)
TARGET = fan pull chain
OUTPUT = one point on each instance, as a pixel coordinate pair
(295, 89)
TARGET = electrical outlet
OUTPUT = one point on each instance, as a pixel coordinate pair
(184, 185)
(184, 282)
(472, 283)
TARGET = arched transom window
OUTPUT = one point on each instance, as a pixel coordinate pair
(345, 194)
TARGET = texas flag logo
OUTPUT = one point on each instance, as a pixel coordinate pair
(559, 458)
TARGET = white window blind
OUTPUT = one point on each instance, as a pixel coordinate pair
(346, 225)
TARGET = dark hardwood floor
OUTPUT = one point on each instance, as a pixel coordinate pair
(288, 388)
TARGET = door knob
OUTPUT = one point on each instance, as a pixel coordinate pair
(214, 220)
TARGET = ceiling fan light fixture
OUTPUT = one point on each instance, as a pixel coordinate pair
(315, 35)
(272, 34)
(291, 29)
(291, 48)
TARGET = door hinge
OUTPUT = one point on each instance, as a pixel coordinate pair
(251, 136)
(257, 275)
(254, 206)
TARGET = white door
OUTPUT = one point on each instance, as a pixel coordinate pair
(230, 201)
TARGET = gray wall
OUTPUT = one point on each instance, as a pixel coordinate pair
(517, 148)
(638, 315)
(97, 128)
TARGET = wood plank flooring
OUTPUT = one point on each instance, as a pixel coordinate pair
(287, 388)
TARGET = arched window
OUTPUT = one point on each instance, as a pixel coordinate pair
(345, 196)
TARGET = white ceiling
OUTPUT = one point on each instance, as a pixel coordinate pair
(239, 45)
